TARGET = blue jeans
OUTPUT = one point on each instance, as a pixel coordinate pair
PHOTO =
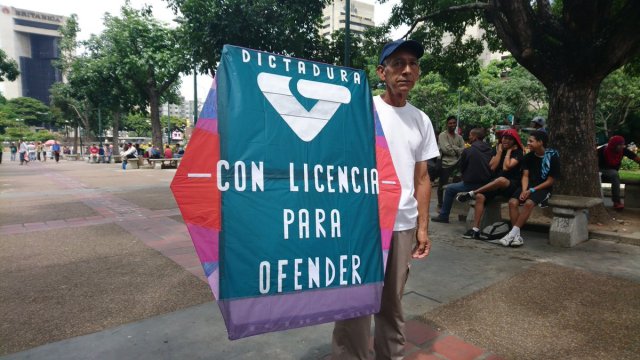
(450, 194)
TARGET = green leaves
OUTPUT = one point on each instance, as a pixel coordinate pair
(8, 68)
(285, 27)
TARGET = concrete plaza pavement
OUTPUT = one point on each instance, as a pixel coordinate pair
(46, 198)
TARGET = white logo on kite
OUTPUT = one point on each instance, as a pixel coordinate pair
(307, 124)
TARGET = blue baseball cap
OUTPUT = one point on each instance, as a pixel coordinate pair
(409, 45)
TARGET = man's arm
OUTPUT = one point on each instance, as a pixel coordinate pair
(546, 184)
(423, 195)
(495, 160)
(446, 148)
(509, 162)
(524, 195)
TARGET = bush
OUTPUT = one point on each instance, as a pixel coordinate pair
(628, 164)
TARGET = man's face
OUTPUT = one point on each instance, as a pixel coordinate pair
(534, 144)
(472, 137)
(399, 72)
(451, 125)
(535, 125)
(620, 148)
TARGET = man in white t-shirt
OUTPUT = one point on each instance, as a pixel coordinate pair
(412, 142)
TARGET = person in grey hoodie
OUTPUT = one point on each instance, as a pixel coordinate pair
(475, 169)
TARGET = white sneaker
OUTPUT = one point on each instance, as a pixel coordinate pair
(507, 239)
(518, 241)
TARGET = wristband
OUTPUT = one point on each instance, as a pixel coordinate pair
(532, 190)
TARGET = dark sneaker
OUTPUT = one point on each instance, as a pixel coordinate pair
(464, 197)
(472, 234)
(545, 203)
(440, 219)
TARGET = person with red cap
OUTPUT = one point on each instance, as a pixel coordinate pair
(505, 163)
(609, 160)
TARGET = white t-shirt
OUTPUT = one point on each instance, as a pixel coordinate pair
(411, 139)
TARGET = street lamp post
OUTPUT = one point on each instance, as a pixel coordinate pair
(195, 94)
(100, 127)
(168, 124)
(347, 32)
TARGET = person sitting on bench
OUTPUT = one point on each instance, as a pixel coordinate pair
(540, 169)
(475, 170)
(609, 160)
(505, 163)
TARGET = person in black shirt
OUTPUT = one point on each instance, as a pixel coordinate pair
(540, 169)
(609, 160)
(505, 164)
(475, 169)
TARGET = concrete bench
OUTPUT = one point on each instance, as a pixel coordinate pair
(71, 157)
(570, 219)
(116, 159)
(165, 163)
(492, 212)
(631, 193)
(135, 163)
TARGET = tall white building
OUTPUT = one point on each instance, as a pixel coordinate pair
(183, 111)
(333, 17)
(31, 39)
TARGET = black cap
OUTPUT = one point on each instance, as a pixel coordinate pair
(409, 45)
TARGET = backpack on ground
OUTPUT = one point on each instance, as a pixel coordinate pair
(495, 231)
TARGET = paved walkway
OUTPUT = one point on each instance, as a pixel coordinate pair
(455, 269)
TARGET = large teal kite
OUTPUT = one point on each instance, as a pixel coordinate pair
(281, 188)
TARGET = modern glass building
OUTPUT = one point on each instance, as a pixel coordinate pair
(30, 38)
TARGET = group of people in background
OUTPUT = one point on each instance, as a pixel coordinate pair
(131, 151)
(25, 151)
(31, 151)
(524, 176)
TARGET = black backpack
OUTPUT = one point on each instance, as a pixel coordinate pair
(495, 231)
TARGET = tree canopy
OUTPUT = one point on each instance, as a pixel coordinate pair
(8, 67)
(286, 27)
(569, 45)
(150, 56)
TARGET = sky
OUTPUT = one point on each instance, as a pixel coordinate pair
(90, 15)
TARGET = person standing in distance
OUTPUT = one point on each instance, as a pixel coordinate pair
(412, 142)
(451, 146)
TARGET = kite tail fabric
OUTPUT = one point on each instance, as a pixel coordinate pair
(546, 162)
(390, 190)
(196, 193)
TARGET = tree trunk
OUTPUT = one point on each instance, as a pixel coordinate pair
(75, 139)
(156, 127)
(572, 132)
(116, 135)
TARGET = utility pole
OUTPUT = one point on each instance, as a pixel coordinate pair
(195, 94)
(100, 127)
(347, 32)
(168, 124)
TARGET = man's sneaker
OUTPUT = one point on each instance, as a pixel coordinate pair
(545, 202)
(472, 234)
(440, 219)
(464, 197)
(517, 241)
(507, 239)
